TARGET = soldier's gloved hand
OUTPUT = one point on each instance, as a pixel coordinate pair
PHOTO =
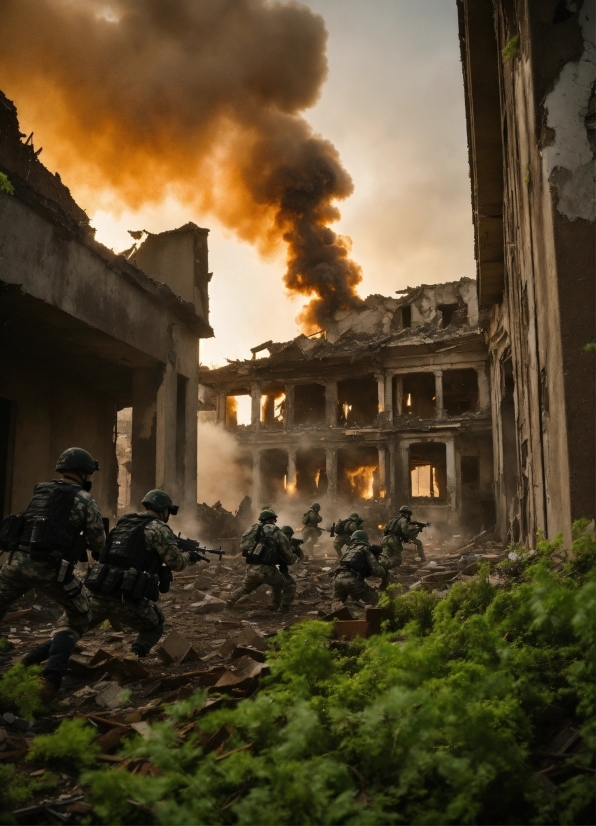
(194, 557)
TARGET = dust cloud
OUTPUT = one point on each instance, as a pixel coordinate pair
(199, 100)
(221, 474)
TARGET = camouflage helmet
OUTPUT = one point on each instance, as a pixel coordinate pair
(158, 500)
(315, 506)
(355, 516)
(77, 459)
(267, 513)
(405, 509)
(359, 536)
(288, 530)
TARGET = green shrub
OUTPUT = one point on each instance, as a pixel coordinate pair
(19, 690)
(71, 744)
(5, 184)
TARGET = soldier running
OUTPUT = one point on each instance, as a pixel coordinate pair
(311, 532)
(45, 544)
(410, 529)
(295, 544)
(344, 528)
(357, 563)
(265, 548)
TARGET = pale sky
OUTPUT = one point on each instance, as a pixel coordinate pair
(393, 105)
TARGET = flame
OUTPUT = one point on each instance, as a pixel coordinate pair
(362, 481)
(289, 487)
(317, 477)
(409, 400)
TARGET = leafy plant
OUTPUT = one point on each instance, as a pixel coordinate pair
(16, 788)
(5, 184)
(19, 690)
(71, 744)
(512, 49)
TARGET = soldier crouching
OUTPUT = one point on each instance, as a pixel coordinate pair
(265, 548)
(357, 563)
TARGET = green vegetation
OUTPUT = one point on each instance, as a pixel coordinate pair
(512, 49)
(435, 721)
(5, 184)
(19, 690)
(71, 744)
(17, 788)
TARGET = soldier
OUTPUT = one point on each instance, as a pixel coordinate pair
(410, 531)
(47, 540)
(357, 563)
(310, 531)
(265, 547)
(344, 529)
(295, 544)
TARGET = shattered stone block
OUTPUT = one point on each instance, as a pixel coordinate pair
(209, 605)
(176, 649)
(109, 697)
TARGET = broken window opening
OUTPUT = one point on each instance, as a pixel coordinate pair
(238, 410)
(460, 391)
(309, 404)
(419, 395)
(428, 470)
(447, 311)
(274, 471)
(273, 407)
(311, 473)
(406, 316)
(470, 471)
(358, 401)
(358, 472)
(124, 455)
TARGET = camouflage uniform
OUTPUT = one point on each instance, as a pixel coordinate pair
(282, 585)
(391, 544)
(411, 531)
(348, 583)
(142, 615)
(343, 538)
(310, 531)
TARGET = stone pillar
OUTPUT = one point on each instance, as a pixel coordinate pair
(145, 382)
(483, 388)
(399, 395)
(451, 473)
(440, 410)
(404, 486)
(331, 469)
(289, 416)
(191, 415)
(291, 481)
(392, 475)
(221, 406)
(382, 471)
(256, 481)
(389, 397)
(165, 431)
(255, 405)
(380, 391)
(331, 404)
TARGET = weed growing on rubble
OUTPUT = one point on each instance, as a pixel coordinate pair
(19, 690)
(5, 184)
(71, 744)
(436, 725)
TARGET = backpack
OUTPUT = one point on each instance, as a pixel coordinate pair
(260, 550)
(340, 525)
(250, 539)
(126, 547)
(394, 528)
(44, 527)
(355, 561)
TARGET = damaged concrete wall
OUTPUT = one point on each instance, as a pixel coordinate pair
(541, 61)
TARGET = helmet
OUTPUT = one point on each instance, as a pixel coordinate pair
(288, 530)
(158, 500)
(354, 516)
(75, 458)
(359, 536)
(405, 509)
(315, 506)
(266, 514)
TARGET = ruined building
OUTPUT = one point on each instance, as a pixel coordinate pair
(85, 333)
(390, 403)
(529, 75)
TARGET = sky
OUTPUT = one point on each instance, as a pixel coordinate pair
(393, 106)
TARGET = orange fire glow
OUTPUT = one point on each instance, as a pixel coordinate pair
(362, 481)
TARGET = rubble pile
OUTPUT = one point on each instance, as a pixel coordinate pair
(218, 523)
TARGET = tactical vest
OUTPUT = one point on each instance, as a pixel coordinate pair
(45, 522)
(394, 528)
(126, 546)
(258, 546)
(355, 560)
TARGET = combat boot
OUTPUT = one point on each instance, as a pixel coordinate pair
(284, 609)
(48, 692)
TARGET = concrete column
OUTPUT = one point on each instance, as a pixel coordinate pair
(382, 470)
(255, 406)
(289, 417)
(483, 388)
(256, 481)
(165, 431)
(291, 481)
(331, 469)
(392, 475)
(380, 391)
(145, 382)
(221, 406)
(403, 488)
(191, 415)
(440, 410)
(451, 473)
(388, 392)
(331, 404)
(399, 395)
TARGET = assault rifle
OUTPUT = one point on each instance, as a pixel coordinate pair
(420, 525)
(193, 547)
(330, 531)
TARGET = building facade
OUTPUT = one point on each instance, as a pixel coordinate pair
(85, 333)
(530, 76)
(391, 404)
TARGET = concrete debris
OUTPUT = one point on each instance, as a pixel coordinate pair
(176, 649)
(110, 697)
(218, 523)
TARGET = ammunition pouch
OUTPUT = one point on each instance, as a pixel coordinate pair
(131, 584)
(165, 579)
(97, 576)
(262, 554)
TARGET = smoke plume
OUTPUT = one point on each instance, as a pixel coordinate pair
(200, 100)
